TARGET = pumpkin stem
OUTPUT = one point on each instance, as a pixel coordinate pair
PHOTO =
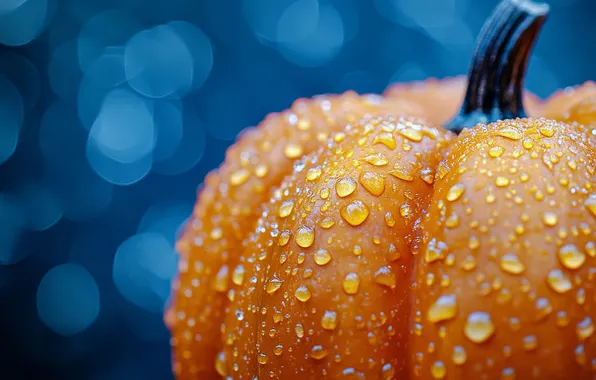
(498, 68)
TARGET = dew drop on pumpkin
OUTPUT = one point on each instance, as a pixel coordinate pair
(220, 364)
(550, 219)
(591, 248)
(299, 330)
(459, 355)
(345, 186)
(402, 173)
(479, 327)
(389, 219)
(502, 181)
(285, 209)
(496, 151)
(455, 192)
(386, 139)
(571, 257)
(220, 282)
(355, 213)
(590, 204)
(357, 250)
(585, 328)
(238, 275)
(273, 285)
(543, 308)
(322, 256)
(510, 132)
(411, 134)
(558, 281)
(427, 176)
(329, 320)
(278, 349)
(305, 236)
(387, 372)
(313, 173)
(377, 159)
(293, 150)
(351, 283)
(239, 177)
(547, 130)
(262, 358)
(326, 222)
(452, 221)
(261, 170)
(284, 237)
(373, 182)
(216, 233)
(385, 276)
(302, 293)
(444, 308)
(318, 352)
(530, 342)
(325, 193)
(580, 355)
(511, 263)
(438, 370)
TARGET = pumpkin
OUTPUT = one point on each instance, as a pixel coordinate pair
(341, 238)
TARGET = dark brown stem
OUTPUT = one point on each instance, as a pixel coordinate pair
(498, 68)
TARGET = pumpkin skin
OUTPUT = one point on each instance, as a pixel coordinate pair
(327, 238)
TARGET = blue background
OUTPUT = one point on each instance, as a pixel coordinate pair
(113, 111)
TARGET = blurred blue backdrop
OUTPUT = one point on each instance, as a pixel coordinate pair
(113, 111)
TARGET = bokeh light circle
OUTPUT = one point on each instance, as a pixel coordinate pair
(68, 299)
(143, 267)
(23, 23)
(11, 118)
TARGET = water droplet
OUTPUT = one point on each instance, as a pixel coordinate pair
(284, 237)
(220, 282)
(444, 308)
(220, 364)
(479, 327)
(345, 187)
(262, 358)
(322, 256)
(239, 177)
(385, 276)
(278, 349)
(386, 139)
(502, 181)
(452, 221)
(285, 209)
(351, 283)
(496, 151)
(377, 159)
(313, 173)
(510, 263)
(455, 192)
(530, 342)
(302, 293)
(261, 170)
(571, 257)
(580, 355)
(547, 130)
(387, 372)
(585, 328)
(299, 330)
(590, 204)
(558, 281)
(508, 374)
(402, 173)
(373, 182)
(357, 250)
(273, 285)
(329, 320)
(238, 275)
(550, 219)
(389, 220)
(318, 352)
(293, 151)
(305, 236)
(326, 223)
(216, 233)
(355, 212)
(510, 132)
(459, 356)
(427, 176)
(543, 308)
(438, 370)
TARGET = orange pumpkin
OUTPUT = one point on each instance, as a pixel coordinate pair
(339, 239)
